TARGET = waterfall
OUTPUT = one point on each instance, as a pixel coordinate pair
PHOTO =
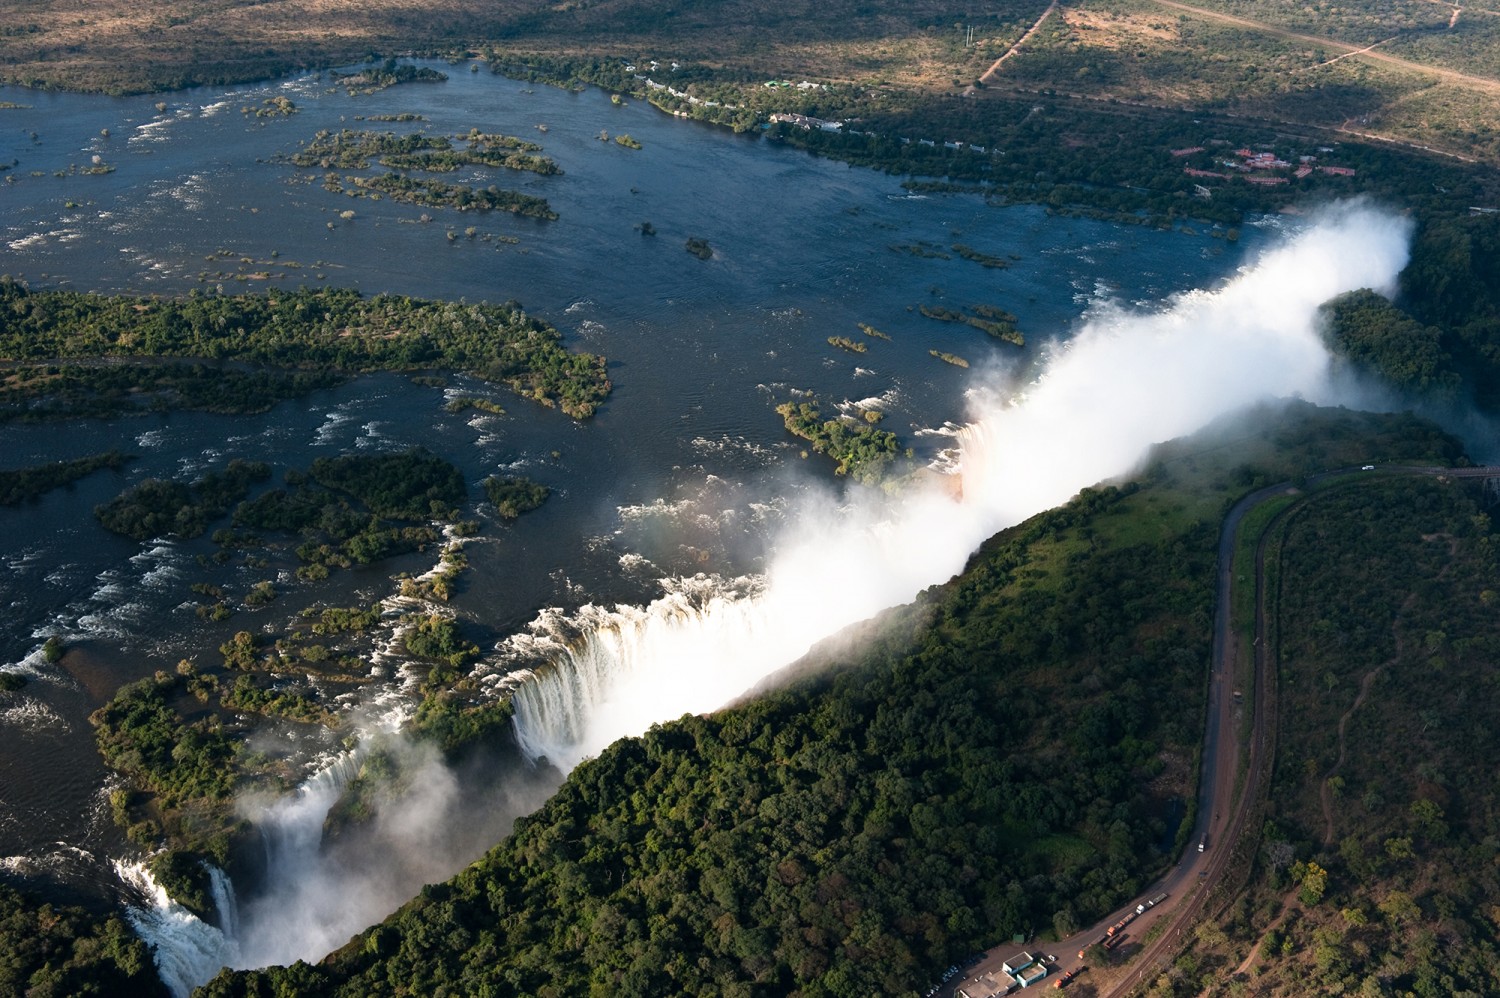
(225, 902)
(187, 950)
(1125, 381)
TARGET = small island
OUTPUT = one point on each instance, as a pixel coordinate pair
(700, 248)
(514, 496)
(863, 452)
(989, 319)
(949, 358)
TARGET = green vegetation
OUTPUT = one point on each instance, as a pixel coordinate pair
(463, 403)
(869, 330)
(627, 141)
(513, 496)
(329, 329)
(340, 509)
(437, 637)
(247, 695)
(991, 760)
(353, 150)
(70, 391)
(1382, 796)
(845, 343)
(862, 452)
(1381, 339)
(155, 508)
(949, 358)
(408, 486)
(30, 484)
(436, 194)
(11, 682)
(272, 107)
(389, 73)
(700, 248)
(52, 950)
(989, 319)
(141, 735)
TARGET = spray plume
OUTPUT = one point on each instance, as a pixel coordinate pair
(1123, 382)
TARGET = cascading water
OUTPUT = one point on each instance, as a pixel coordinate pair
(1124, 382)
(188, 951)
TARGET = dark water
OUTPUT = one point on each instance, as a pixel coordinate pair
(684, 469)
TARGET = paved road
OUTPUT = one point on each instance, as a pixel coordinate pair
(1221, 813)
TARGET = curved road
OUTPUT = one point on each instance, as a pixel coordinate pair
(1221, 812)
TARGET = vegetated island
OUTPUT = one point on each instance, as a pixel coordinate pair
(949, 358)
(437, 194)
(515, 495)
(845, 343)
(350, 149)
(869, 330)
(156, 508)
(184, 766)
(333, 331)
(30, 484)
(372, 79)
(990, 319)
(700, 248)
(863, 452)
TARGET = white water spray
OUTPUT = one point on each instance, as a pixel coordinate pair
(1124, 382)
(188, 952)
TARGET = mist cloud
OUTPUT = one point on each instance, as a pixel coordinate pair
(1123, 382)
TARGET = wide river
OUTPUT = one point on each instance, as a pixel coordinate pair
(686, 469)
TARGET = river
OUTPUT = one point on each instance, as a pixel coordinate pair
(686, 469)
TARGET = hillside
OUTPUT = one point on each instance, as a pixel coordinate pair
(994, 760)
(1375, 873)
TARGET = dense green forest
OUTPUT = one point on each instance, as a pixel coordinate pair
(340, 510)
(59, 951)
(991, 759)
(155, 508)
(29, 484)
(515, 495)
(1439, 341)
(1376, 873)
(103, 389)
(336, 330)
